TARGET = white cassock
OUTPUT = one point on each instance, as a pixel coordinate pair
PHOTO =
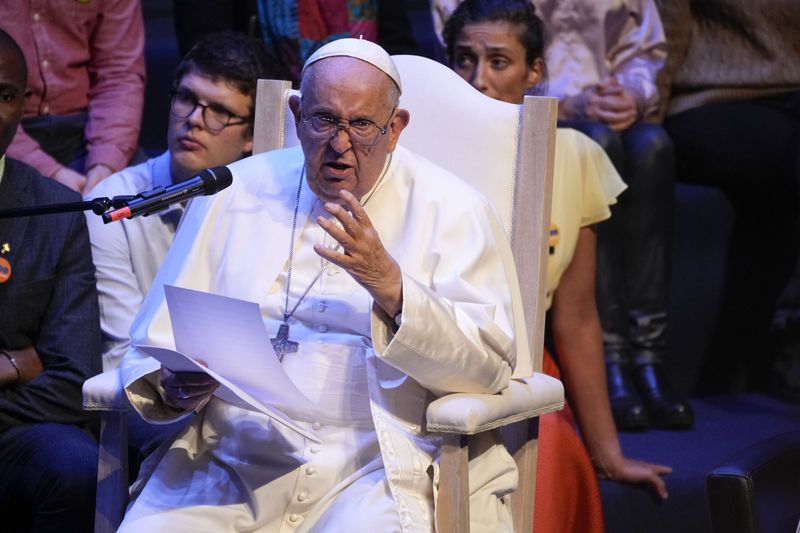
(233, 469)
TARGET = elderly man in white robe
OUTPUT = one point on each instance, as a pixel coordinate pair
(383, 281)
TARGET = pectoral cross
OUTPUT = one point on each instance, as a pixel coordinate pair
(281, 342)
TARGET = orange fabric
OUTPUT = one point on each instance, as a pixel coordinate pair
(567, 493)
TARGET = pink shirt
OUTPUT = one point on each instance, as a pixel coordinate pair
(82, 55)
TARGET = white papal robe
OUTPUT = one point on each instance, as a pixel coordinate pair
(232, 468)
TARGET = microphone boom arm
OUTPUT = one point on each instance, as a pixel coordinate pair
(98, 206)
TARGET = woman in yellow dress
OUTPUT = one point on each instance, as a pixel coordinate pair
(498, 46)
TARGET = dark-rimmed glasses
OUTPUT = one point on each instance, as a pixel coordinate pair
(215, 117)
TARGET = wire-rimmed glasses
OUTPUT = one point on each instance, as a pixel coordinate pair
(362, 131)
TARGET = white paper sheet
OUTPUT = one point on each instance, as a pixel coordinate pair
(229, 336)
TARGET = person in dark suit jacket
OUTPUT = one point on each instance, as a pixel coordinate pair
(49, 340)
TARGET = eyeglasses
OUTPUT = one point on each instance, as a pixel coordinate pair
(362, 131)
(215, 117)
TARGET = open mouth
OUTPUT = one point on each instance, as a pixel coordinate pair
(337, 171)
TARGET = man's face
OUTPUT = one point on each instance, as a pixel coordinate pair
(12, 95)
(349, 90)
(193, 146)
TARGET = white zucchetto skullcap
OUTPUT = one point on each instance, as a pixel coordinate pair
(359, 49)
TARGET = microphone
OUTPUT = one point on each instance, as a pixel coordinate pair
(209, 181)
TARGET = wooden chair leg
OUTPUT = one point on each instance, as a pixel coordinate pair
(452, 506)
(112, 472)
(521, 441)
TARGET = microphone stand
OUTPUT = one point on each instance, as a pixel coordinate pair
(98, 206)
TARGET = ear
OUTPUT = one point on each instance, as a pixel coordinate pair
(294, 106)
(248, 146)
(398, 124)
(535, 73)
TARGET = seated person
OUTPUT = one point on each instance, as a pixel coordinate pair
(49, 340)
(498, 45)
(374, 264)
(210, 124)
(87, 73)
(603, 57)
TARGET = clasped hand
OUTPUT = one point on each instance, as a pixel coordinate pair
(611, 103)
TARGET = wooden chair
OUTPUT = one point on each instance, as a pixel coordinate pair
(514, 170)
(506, 152)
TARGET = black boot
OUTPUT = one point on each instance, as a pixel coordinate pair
(648, 345)
(629, 413)
(663, 406)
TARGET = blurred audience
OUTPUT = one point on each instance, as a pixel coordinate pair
(293, 30)
(734, 117)
(194, 19)
(497, 46)
(49, 340)
(86, 84)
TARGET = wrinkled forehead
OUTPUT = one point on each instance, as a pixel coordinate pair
(335, 78)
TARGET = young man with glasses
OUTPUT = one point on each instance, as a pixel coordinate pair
(210, 124)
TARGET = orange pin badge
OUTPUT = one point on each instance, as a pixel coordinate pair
(5, 270)
(555, 236)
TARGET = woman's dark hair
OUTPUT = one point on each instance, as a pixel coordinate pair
(521, 13)
(231, 57)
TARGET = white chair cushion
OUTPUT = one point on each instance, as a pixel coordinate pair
(473, 413)
(104, 392)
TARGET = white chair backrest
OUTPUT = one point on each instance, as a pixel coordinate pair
(503, 150)
(460, 129)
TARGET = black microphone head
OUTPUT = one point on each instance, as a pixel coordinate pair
(215, 179)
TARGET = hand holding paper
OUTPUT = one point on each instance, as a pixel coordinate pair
(227, 335)
(187, 390)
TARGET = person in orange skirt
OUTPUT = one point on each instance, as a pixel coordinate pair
(497, 46)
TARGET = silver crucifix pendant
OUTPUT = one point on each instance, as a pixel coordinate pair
(281, 342)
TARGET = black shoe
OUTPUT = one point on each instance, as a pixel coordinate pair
(665, 410)
(629, 413)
